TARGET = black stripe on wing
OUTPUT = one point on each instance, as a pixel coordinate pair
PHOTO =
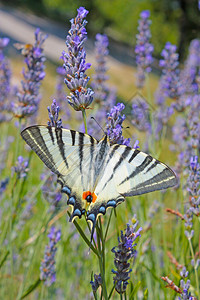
(61, 145)
(101, 155)
(51, 134)
(119, 162)
(135, 153)
(139, 168)
(154, 165)
(81, 141)
(160, 181)
(33, 137)
(73, 135)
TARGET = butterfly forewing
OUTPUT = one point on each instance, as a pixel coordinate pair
(54, 146)
(140, 173)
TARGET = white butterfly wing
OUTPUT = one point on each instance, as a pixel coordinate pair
(69, 154)
(136, 173)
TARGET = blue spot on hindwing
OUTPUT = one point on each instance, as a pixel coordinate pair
(77, 212)
(71, 200)
(91, 217)
(66, 190)
(111, 203)
(102, 210)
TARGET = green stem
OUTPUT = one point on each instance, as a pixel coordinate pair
(84, 120)
(27, 271)
(195, 269)
(101, 257)
(10, 237)
(121, 297)
(17, 151)
(107, 227)
(152, 143)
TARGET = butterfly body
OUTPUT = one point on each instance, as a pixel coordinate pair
(94, 174)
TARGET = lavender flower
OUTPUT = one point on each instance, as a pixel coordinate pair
(5, 76)
(51, 192)
(140, 114)
(3, 184)
(125, 251)
(53, 115)
(21, 168)
(170, 81)
(28, 96)
(144, 48)
(26, 214)
(3, 43)
(47, 269)
(185, 285)
(162, 113)
(193, 123)
(194, 185)
(99, 78)
(190, 75)
(96, 283)
(74, 63)
(114, 125)
(186, 133)
(194, 194)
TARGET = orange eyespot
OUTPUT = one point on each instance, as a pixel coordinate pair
(89, 197)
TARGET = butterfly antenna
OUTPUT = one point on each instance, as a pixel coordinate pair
(98, 124)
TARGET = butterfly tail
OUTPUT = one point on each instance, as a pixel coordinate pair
(92, 220)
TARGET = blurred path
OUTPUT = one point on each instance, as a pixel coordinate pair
(20, 27)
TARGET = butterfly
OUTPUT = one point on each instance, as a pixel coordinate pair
(94, 174)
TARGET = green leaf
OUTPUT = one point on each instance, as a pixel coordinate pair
(82, 234)
(31, 288)
(4, 259)
(134, 290)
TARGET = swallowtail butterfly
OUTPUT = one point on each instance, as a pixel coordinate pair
(94, 174)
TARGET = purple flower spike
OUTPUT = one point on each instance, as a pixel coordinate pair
(5, 76)
(47, 269)
(96, 283)
(82, 12)
(53, 115)
(190, 75)
(3, 184)
(21, 167)
(28, 96)
(4, 42)
(75, 65)
(140, 114)
(124, 252)
(114, 125)
(51, 192)
(99, 78)
(170, 81)
(143, 49)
